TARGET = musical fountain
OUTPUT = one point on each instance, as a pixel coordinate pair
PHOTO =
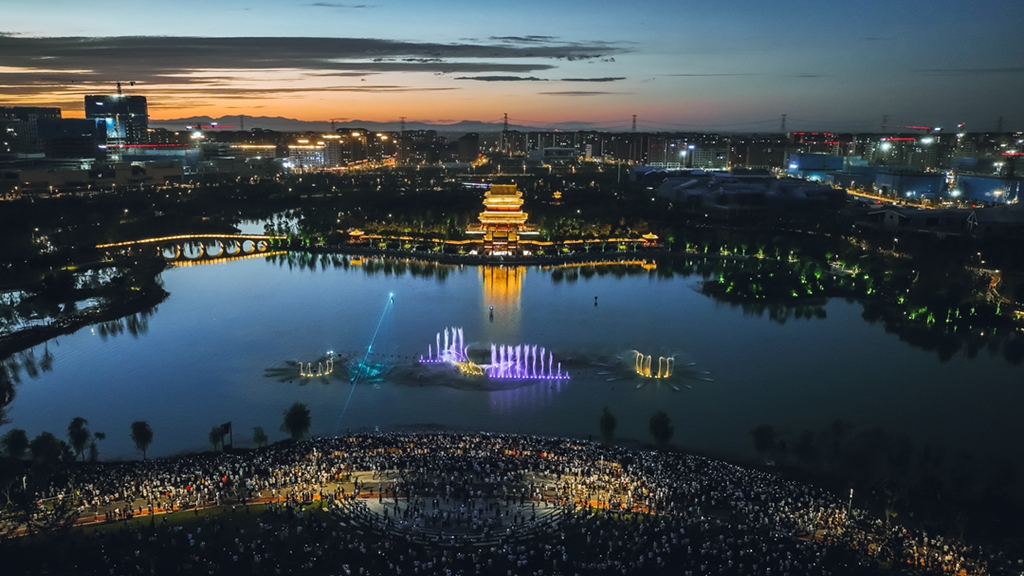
(322, 370)
(642, 365)
(519, 362)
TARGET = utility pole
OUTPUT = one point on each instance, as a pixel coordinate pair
(783, 130)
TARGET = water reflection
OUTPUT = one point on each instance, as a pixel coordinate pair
(245, 367)
(28, 363)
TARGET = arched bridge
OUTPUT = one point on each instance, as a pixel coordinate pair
(197, 247)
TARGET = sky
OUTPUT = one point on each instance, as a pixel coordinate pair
(732, 66)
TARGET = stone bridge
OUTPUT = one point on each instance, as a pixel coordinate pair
(197, 247)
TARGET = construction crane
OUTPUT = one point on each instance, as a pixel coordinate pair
(119, 140)
(130, 83)
(926, 129)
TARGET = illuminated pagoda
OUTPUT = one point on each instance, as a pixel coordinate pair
(503, 220)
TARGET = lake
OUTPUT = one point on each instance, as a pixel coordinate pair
(217, 349)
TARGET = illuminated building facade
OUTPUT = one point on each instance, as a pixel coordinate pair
(503, 221)
(307, 156)
(127, 117)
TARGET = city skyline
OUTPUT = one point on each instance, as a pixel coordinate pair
(677, 67)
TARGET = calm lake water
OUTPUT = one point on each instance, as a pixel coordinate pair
(204, 357)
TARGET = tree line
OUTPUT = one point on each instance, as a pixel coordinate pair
(32, 467)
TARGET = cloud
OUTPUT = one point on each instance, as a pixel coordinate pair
(698, 75)
(334, 5)
(57, 71)
(503, 78)
(605, 79)
(247, 64)
(524, 39)
(578, 93)
(143, 57)
(973, 71)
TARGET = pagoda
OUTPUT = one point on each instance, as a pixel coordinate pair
(503, 220)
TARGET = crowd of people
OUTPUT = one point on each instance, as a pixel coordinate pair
(449, 504)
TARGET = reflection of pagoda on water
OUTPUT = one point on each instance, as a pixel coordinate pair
(502, 291)
(502, 284)
(502, 221)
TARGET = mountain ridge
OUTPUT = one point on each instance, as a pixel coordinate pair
(282, 124)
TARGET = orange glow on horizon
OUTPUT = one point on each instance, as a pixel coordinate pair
(375, 97)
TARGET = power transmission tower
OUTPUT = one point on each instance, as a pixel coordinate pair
(885, 122)
(402, 124)
(999, 126)
(504, 135)
(634, 122)
(784, 123)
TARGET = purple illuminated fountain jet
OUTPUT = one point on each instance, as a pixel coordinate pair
(523, 362)
(519, 362)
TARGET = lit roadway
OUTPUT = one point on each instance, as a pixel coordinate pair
(886, 201)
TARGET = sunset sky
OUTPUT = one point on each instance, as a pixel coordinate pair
(722, 66)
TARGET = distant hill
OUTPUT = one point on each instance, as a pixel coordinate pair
(292, 125)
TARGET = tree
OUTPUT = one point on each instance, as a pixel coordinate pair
(217, 436)
(838, 431)
(296, 421)
(661, 428)
(78, 435)
(806, 449)
(14, 443)
(94, 452)
(607, 424)
(48, 454)
(142, 435)
(6, 396)
(764, 439)
(259, 436)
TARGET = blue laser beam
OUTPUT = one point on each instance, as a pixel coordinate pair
(366, 357)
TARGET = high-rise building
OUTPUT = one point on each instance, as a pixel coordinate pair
(73, 138)
(19, 128)
(127, 117)
(469, 147)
